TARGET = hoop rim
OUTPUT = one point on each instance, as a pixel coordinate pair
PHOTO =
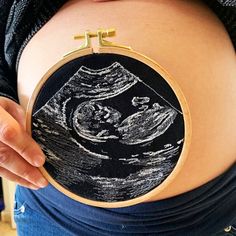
(171, 82)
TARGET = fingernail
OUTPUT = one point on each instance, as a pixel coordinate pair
(42, 182)
(39, 161)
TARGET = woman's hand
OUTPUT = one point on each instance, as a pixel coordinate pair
(20, 155)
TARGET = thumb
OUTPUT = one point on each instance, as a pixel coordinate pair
(15, 110)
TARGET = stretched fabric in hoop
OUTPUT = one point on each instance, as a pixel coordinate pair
(111, 126)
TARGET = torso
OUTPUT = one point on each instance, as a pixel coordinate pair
(187, 39)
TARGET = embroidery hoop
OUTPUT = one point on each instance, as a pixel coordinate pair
(111, 48)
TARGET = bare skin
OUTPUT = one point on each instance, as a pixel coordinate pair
(188, 44)
(20, 155)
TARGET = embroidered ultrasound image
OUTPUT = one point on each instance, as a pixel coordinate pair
(111, 127)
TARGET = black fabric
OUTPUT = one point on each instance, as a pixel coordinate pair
(227, 15)
(7, 82)
(108, 102)
(21, 19)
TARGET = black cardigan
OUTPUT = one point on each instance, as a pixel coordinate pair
(21, 19)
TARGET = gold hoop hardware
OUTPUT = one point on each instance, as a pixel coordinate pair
(100, 34)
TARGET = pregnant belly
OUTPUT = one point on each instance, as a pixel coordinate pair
(185, 38)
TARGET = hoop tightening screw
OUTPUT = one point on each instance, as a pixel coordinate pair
(100, 32)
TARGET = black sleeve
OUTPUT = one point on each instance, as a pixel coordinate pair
(7, 78)
(19, 21)
(226, 11)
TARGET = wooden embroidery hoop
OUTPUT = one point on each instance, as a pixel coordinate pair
(111, 48)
